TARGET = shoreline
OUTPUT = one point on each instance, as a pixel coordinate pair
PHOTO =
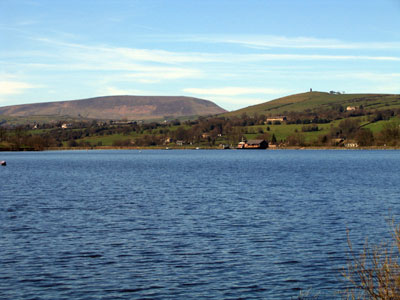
(197, 148)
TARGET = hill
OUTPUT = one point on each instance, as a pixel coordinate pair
(118, 107)
(319, 101)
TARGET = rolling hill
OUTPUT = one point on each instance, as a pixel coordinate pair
(314, 101)
(118, 107)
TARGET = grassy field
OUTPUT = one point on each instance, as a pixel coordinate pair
(282, 131)
(378, 126)
(107, 140)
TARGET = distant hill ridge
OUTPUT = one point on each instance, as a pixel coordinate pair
(118, 107)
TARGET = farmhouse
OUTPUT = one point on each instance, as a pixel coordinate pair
(337, 142)
(168, 140)
(256, 144)
(351, 144)
(276, 119)
(241, 145)
(66, 125)
(350, 108)
(253, 144)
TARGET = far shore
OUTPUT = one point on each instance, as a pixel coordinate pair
(197, 148)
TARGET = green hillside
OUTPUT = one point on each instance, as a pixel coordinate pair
(319, 101)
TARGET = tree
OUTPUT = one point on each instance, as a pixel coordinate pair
(364, 137)
(273, 139)
(3, 133)
(72, 143)
(235, 135)
(323, 139)
(349, 127)
(390, 133)
(181, 134)
(36, 142)
(296, 139)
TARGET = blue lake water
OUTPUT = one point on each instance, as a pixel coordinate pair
(188, 224)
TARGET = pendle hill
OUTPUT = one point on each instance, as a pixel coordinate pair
(118, 107)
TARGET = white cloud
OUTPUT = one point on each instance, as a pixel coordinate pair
(14, 87)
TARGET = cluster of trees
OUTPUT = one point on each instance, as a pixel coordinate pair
(18, 138)
(350, 129)
(203, 130)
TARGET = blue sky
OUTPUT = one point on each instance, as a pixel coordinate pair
(233, 52)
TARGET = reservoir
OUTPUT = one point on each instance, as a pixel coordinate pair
(189, 224)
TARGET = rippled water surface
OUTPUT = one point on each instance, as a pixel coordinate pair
(188, 224)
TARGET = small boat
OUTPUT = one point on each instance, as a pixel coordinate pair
(3, 163)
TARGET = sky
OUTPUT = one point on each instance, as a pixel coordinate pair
(235, 53)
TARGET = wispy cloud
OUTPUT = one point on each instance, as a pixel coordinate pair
(162, 56)
(234, 91)
(117, 58)
(271, 69)
(152, 75)
(320, 57)
(132, 54)
(235, 97)
(270, 41)
(373, 76)
(110, 91)
(141, 65)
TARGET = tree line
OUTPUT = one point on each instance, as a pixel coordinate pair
(209, 131)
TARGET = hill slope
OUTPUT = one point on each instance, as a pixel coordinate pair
(315, 101)
(118, 107)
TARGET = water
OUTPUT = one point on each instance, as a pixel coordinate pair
(188, 224)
